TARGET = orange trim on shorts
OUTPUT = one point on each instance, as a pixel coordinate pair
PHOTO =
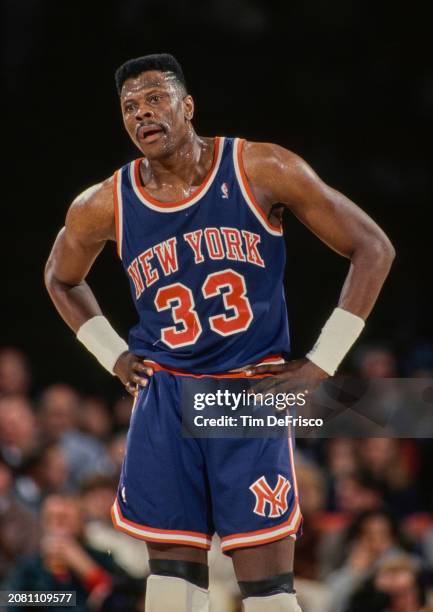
(178, 536)
(292, 463)
(225, 542)
(196, 193)
(249, 191)
(156, 367)
(247, 534)
(116, 211)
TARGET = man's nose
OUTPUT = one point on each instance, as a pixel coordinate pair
(144, 112)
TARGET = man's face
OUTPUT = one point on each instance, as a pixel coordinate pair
(156, 113)
(400, 584)
(61, 516)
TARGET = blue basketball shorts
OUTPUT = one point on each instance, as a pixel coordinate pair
(181, 490)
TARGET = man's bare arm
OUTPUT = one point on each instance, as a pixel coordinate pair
(89, 225)
(278, 175)
(281, 176)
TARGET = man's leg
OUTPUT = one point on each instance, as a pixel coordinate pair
(265, 576)
(179, 579)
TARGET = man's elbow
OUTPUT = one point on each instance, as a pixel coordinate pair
(51, 283)
(381, 253)
(48, 276)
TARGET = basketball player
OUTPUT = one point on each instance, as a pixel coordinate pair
(197, 223)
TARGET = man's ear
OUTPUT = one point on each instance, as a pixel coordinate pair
(188, 105)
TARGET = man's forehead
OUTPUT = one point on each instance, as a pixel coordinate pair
(148, 80)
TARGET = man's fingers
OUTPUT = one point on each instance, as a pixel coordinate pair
(132, 389)
(272, 385)
(139, 380)
(265, 369)
(139, 366)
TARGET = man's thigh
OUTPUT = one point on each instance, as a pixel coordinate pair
(176, 552)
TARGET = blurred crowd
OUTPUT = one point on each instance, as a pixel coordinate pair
(367, 504)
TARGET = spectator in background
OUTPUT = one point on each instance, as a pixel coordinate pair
(116, 450)
(384, 459)
(355, 494)
(312, 595)
(44, 472)
(58, 413)
(18, 528)
(14, 372)
(64, 562)
(371, 539)
(341, 457)
(122, 412)
(392, 463)
(341, 461)
(19, 432)
(312, 497)
(95, 418)
(375, 362)
(396, 586)
(97, 497)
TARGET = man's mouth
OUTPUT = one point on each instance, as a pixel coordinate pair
(149, 133)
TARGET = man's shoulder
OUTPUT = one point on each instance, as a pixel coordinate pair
(93, 207)
(272, 170)
(96, 196)
(268, 153)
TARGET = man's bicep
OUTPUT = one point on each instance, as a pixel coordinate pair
(329, 214)
(335, 219)
(89, 224)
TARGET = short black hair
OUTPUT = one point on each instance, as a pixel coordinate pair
(164, 62)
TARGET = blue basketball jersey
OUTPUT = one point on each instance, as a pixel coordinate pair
(206, 272)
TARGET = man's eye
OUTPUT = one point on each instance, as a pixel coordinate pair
(155, 99)
(129, 108)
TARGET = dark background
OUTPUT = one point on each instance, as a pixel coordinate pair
(347, 85)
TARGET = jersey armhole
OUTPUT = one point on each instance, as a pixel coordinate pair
(118, 210)
(247, 191)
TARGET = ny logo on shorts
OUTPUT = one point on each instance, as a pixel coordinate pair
(276, 498)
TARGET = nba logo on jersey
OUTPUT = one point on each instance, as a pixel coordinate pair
(224, 191)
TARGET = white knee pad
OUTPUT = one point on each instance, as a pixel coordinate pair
(170, 594)
(282, 602)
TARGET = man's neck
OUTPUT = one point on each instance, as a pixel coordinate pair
(187, 165)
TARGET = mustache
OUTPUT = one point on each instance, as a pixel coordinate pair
(154, 124)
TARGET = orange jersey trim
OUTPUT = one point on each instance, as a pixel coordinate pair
(156, 367)
(195, 194)
(116, 180)
(249, 191)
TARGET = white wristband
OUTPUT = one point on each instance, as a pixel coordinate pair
(337, 336)
(102, 341)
